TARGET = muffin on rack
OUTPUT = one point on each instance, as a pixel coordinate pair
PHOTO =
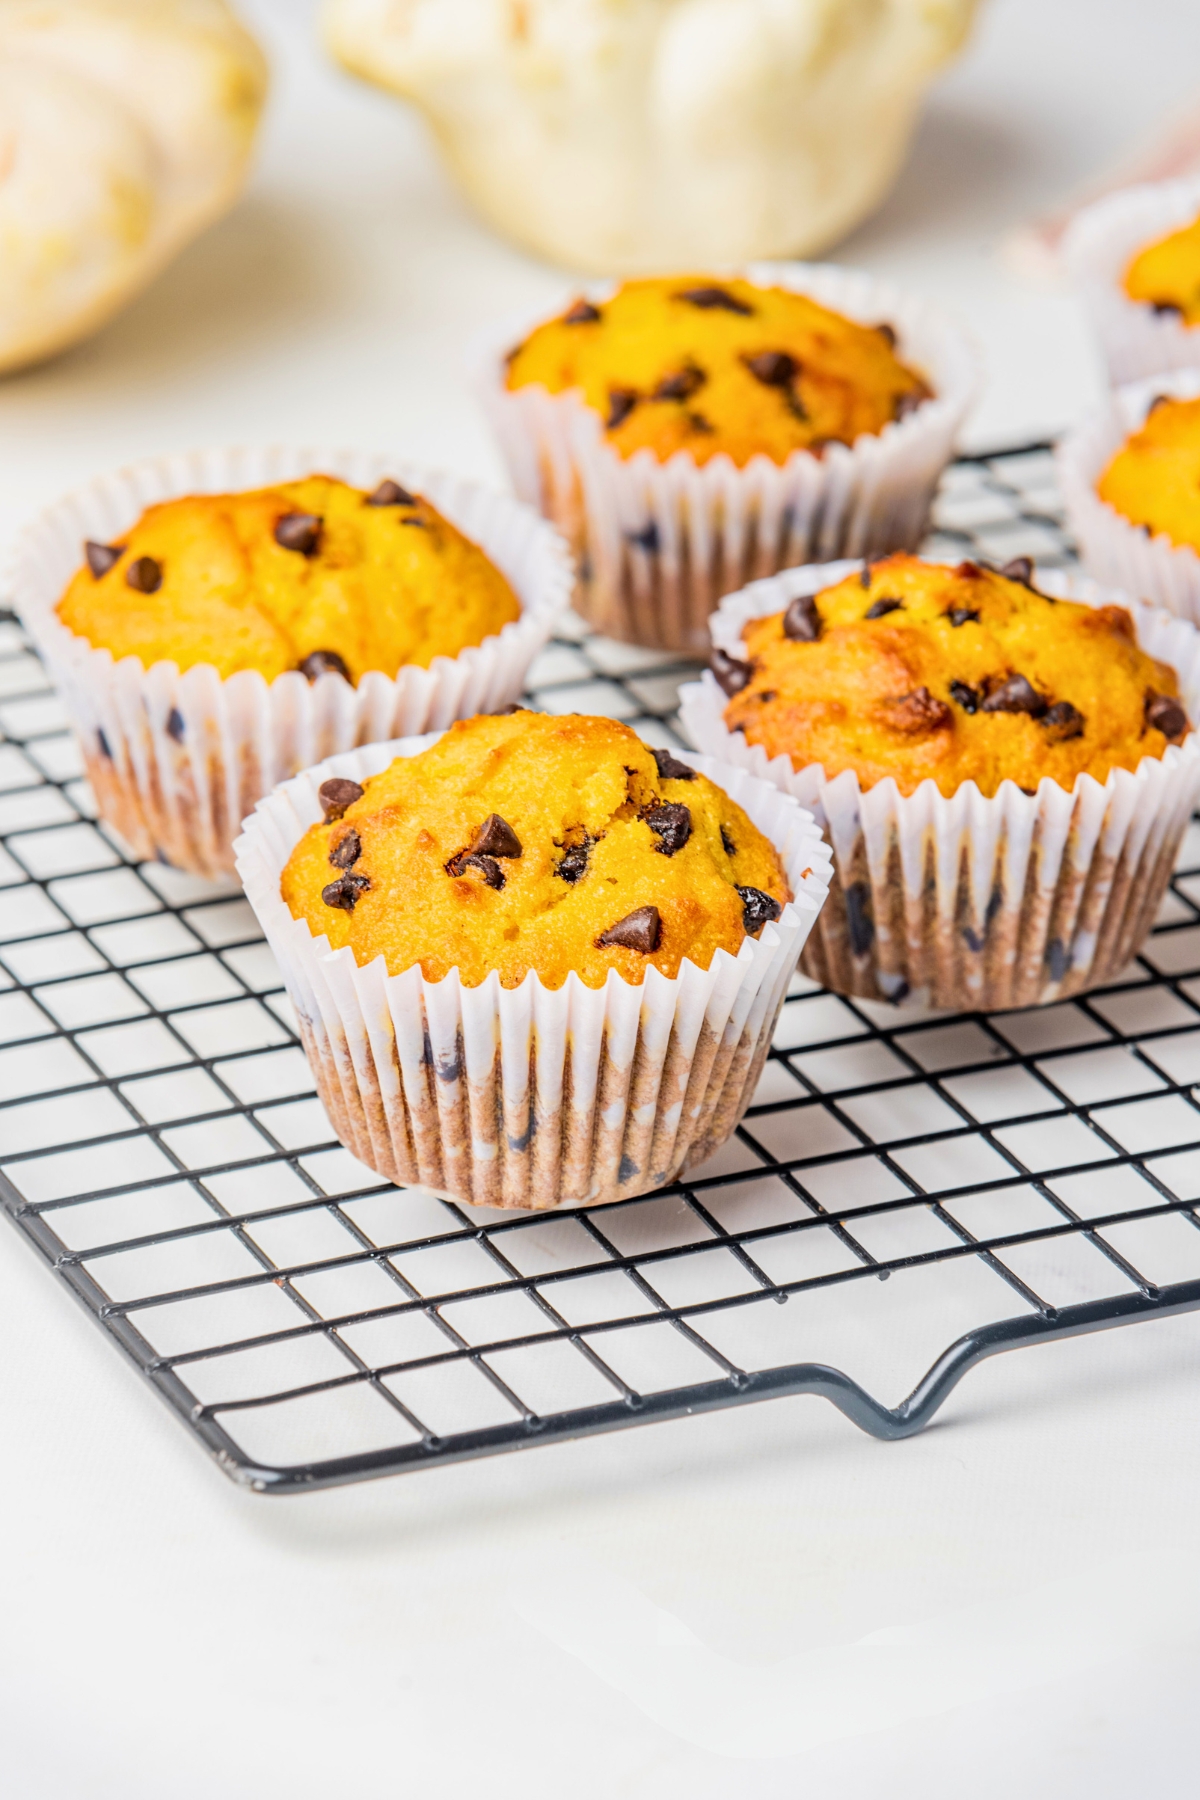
(1153, 480)
(535, 961)
(1004, 766)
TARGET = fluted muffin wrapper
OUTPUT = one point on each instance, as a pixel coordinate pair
(532, 1097)
(178, 759)
(1113, 549)
(658, 543)
(1098, 247)
(977, 903)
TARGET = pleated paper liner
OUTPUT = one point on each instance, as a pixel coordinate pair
(1100, 244)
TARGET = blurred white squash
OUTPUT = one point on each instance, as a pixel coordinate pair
(625, 135)
(125, 128)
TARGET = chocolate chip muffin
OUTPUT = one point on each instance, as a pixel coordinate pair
(313, 575)
(916, 670)
(1154, 478)
(1165, 276)
(526, 842)
(711, 367)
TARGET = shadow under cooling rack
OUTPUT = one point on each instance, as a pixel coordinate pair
(909, 1193)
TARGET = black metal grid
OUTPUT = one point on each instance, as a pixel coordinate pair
(920, 1190)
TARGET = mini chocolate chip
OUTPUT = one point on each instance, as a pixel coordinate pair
(1164, 308)
(323, 662)
(488, 867)
(103, 744)
(175, 725)
(144, 575)
(646, 539)
(1158, 400)
(1016, 695)
(496, 837)
(670, 768)
(888, 333)
(907, 403)
(1166, 715)
(390, 493)
(581, 313)
(730, 674)
(336, 795)
(758, 909)
(963, 615)
(967, 697)
(415, 519)
(298, 531)
(727, 843)
(640, 930)
(802, 621)
(696, 421)
(101, 557)
(506, 712)
(1019, 569)
(345, 891)
(774, 368)
(715, 299)
(879, 609)
(858, 917)
(574, 863)
(346, 851)
(621, 402)
(681, 385)
(968, 571)
(671, 823)
(1063, 720)
(764, 695)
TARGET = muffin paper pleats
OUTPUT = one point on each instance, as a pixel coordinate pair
(1114, 550)
(659, 543)
(972, 903)
(532, 1097)
(1098, 247)
(177, 760)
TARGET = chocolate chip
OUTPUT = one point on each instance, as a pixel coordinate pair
(907, 403)
(336, 795)
(730, 674)
(1063, 721)
(1019, 569)
(581, 313)
(323, 662)
(488, 867)
(388, 493)
(715, 299)
(802, 621)
(298, 531)
(415, 519)
(963, 615)
(496, 837)
(175, 725)
(764, 695)
(858, 918)
(1166, 715)
(671, 823)
(968, 571)
(758, 909)
(1158, 400)
(640, 930)
(967, 697)
(101, 557)
(879, 609)
(646, 539)
(506, 712)
(346, 851)
(888, 333)
(144, 575)
(345, 891)
(621, 402)
(774, 368)
(681, 385)
(864, 575)
(573, 865)
(1016, 695)
(670, 768)
(696, 421)
(727, 843)
(1164, 308)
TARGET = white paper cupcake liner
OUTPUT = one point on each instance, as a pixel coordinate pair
(1098, 247)
(1113, 549)
(532, 1096)
(972, 903)
(659, 543)
(178, 760)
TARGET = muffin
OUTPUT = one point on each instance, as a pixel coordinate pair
(691, 432)
(1165, 276)
(1130, 477)
(1004, 766)
(1135, 261)
(216, 622)
(533, 961)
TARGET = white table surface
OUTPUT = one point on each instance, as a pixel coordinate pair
(762, 1601)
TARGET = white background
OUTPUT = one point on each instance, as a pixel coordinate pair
(676, 1611)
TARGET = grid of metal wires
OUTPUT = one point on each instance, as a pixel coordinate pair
(910, 1192)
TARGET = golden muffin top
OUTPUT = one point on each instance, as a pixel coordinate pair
(691, 364)
(311, 575)
(918, 670)
(1166, 275)
(1154, 478)
(521, 842)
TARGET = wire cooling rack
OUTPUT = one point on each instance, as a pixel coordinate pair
(909, 1193)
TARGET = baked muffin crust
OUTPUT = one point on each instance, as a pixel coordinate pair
(690, 363)
(917, 670)
(526, 842)
(311, 574)
(1154, 478)
(1166, 275)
